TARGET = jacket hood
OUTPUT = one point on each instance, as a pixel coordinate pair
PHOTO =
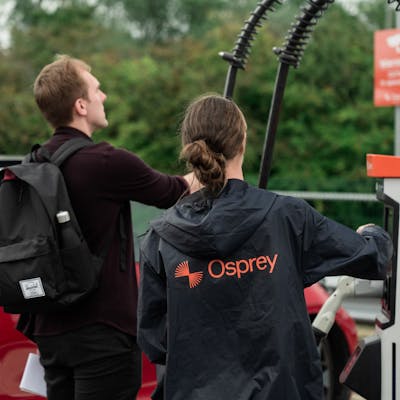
(204, 226)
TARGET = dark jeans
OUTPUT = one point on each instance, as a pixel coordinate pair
(96, 362)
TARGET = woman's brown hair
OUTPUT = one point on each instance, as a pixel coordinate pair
(213, 131)
(58, 86)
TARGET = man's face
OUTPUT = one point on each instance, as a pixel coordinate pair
(96, 116)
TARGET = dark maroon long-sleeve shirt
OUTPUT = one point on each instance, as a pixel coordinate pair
(101, 180)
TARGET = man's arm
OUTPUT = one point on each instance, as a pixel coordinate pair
(127, 177)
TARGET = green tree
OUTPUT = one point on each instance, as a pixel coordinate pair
(161, 20)
(327, 125)
(37, 35)
(376, 16)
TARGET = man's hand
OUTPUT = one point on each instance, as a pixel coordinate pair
(193, 182)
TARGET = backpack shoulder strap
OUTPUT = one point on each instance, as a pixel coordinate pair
(38, 153)
(68, 148)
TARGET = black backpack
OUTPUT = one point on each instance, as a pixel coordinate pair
(45, 263)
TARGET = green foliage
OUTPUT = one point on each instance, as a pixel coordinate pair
(153, 57)
(329, 122)
(376, 16)
(162, 20)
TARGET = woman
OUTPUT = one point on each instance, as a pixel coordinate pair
(222, 274)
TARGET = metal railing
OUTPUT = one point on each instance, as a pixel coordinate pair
(334, 196)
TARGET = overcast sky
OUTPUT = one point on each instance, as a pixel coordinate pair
(5, 7)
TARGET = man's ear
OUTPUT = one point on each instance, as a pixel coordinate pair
(80, 107)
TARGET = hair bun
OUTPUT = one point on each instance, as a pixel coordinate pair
(208, 166)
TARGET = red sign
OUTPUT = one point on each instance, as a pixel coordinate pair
(387, 67)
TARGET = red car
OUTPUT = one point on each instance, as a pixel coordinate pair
(342, 339)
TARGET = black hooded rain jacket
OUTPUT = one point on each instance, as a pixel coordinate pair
(221, 292)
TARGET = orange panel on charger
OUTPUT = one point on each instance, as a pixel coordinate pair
(383, 166)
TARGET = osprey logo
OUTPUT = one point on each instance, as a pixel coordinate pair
(194, 277)
(218, 269)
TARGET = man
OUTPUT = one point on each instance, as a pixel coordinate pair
(89, 351)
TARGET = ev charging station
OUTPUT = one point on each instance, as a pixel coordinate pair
(372, 371)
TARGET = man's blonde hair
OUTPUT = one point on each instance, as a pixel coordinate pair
(58, 86)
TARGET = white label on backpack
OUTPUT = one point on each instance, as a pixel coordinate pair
(32, 288)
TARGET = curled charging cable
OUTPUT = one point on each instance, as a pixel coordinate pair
(240, 54)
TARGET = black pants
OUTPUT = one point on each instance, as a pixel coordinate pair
(96, 362)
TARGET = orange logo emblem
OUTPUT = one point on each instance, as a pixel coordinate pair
(194, 277)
